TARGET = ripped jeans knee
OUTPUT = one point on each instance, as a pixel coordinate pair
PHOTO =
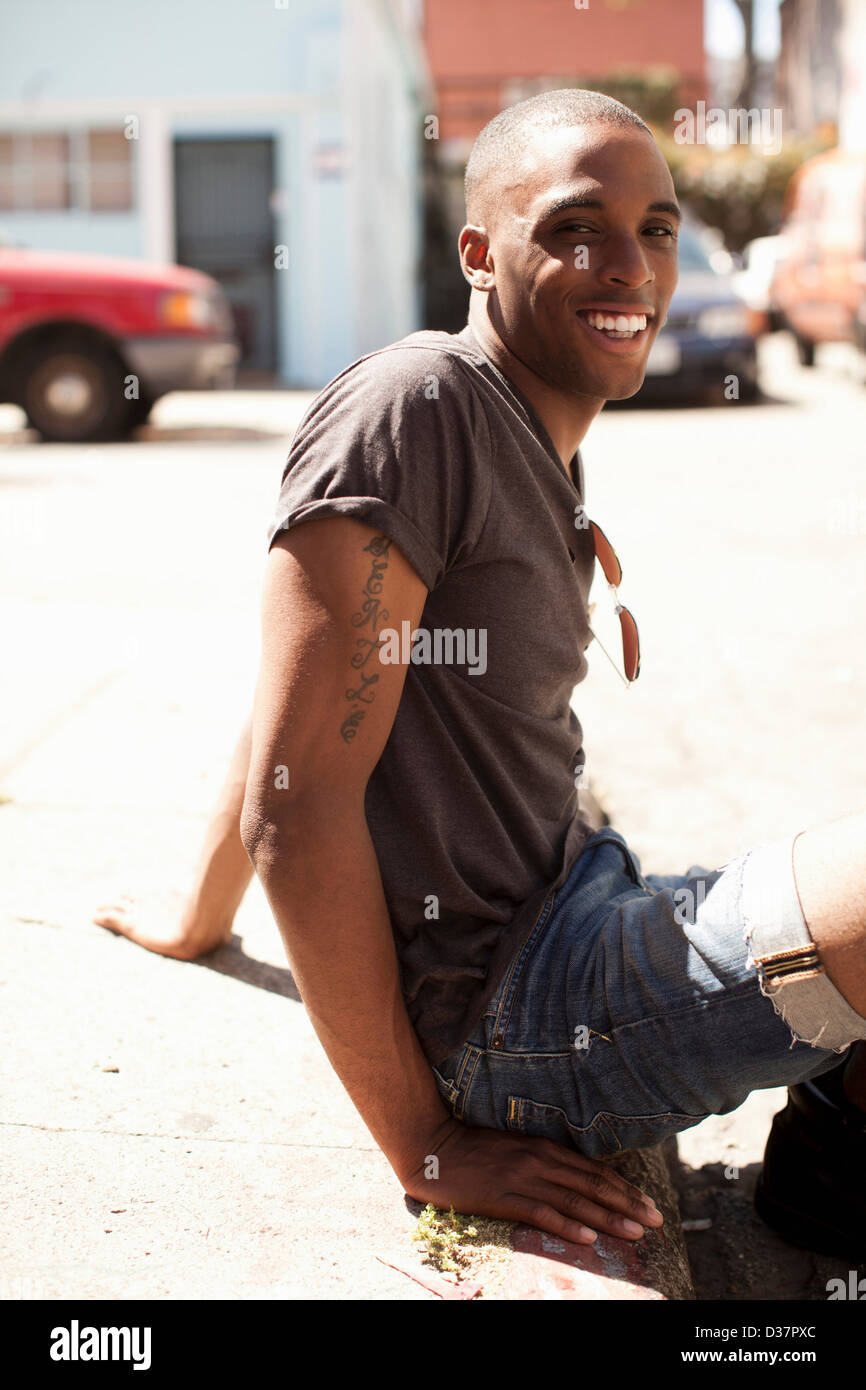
(790, 972)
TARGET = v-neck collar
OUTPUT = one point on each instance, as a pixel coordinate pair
(574, 471)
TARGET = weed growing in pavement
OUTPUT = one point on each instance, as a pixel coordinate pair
(457, 1243)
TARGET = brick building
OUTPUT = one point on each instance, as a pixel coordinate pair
(486, 54)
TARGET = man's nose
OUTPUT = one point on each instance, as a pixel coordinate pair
(625, 262)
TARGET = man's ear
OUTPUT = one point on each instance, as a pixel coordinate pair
(476, 258)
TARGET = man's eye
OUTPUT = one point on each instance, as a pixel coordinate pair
(666, 231)
(576, 227)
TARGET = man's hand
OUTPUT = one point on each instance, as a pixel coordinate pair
(517, 1177)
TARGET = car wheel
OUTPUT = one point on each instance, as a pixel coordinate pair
(73, 392)
(139, 410)
(805, 351)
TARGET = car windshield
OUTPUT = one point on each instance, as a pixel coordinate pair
(692, 255)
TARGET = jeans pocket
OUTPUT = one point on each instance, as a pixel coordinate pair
(455, 1083)
(642, 1131)
(447, 1089)
(550, 1122)
(608, 1133)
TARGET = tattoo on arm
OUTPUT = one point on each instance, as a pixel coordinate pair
(369, 616)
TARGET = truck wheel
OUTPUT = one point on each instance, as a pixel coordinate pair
(73, 392)
(805, 351)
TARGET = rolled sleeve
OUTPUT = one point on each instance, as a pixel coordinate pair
(400, 442)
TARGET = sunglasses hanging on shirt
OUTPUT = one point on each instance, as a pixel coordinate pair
(612, 571)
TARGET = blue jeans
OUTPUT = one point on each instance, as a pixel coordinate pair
(639, 1005)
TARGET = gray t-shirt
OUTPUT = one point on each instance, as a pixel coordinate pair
(472, 807)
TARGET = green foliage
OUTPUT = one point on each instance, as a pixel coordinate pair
(476, 1247)
(444, 1236)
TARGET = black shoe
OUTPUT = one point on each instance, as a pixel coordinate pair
(812, 1188)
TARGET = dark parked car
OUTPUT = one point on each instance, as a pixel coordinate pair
(708, 337)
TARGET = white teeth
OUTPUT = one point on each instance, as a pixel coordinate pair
(621, 323)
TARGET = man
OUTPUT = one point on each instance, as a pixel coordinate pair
(505, 996)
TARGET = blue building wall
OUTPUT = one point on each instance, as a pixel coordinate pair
(226, 68)
(59, 50)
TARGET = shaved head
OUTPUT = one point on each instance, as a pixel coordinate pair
(506, 141)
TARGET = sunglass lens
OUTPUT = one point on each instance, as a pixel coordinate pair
(630, 644)
(606, 556)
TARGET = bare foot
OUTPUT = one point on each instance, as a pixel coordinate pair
(185, 939)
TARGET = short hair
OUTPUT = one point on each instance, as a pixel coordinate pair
(503, 140)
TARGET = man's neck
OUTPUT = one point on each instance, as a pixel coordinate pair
(566, 418)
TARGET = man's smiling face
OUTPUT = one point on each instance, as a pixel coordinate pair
(584, 319)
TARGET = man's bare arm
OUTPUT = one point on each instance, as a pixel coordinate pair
(330, 587)
(324, 709)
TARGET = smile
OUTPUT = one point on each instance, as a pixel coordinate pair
(613, 330)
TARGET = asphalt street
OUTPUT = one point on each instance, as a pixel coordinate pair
(173, 1130)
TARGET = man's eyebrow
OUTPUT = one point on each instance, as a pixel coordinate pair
(664, 206)
(569, 200)
(572, 201)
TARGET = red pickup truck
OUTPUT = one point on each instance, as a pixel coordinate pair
(88, 343)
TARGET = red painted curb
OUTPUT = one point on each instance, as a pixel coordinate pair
(545, 1267)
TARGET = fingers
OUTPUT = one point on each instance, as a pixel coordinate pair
(614, 1192)
(583, 1174)
(576, 1215)
(116, 913)
(596, 1210)
(546, 1218)
(578, 1196)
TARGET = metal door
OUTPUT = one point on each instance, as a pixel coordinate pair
(224, 226)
